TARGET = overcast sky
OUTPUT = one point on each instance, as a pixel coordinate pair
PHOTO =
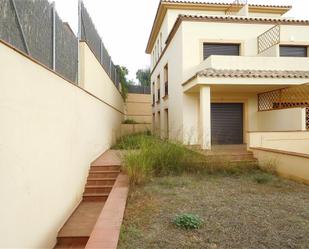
(125, 25)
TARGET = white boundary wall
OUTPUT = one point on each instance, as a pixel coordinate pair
(50, 131)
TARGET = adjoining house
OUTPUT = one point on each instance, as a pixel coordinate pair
(218, 70)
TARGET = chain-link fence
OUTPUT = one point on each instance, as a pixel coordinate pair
(139, 89)
(90, 35)
(34, 27)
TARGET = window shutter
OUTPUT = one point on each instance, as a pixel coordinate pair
(293, 51)
(220, 49)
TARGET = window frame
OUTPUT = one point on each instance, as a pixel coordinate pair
(226, 43)
(306, 46)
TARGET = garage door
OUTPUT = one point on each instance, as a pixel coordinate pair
(227, 123)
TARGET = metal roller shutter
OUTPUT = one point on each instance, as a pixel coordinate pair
(227, 123)
(293, 51)
(220, 49)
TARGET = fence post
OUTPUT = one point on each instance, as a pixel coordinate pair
(54, 35)
(21, 28)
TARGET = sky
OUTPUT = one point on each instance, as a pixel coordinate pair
(125, 25)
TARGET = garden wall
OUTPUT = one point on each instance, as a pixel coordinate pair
(287, 151)
(138, 108)
(50, 131)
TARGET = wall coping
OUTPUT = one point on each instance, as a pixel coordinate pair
(288, 153)
(277, 131)
(105, 234)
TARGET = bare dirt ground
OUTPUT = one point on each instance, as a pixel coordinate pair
(238, 213)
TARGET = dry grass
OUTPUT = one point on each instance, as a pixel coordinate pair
(239, 213)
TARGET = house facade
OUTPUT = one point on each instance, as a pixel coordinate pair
(211, 63)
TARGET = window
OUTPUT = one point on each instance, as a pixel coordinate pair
(166, 80)
(159, 124)
(161, 42)
(158, 49)
(220, 49)
(153, 94)
(166, 128)
(293, 51)
(158, 89)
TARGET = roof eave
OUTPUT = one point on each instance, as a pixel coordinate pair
(164, 5)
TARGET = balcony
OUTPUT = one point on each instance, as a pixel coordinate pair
(246, 70)
(254, 63)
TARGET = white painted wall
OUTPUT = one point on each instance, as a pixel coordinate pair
(287, 141)
(50, 131)
(185, 58)
(292, 119)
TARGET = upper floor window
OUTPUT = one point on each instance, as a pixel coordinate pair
(161, 47)
(220, 49)
(293, 51)
(153, 93)
(158, 88)
(166, 80)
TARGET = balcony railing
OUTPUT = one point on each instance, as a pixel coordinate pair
(269, 39)
(235, 7)
(291, 97)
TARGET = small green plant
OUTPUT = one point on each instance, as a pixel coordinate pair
(263, 178)
(129, 121)
(188, 221)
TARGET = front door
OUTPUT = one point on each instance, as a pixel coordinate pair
(227, 123)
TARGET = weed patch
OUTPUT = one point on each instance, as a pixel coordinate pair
(188, 221)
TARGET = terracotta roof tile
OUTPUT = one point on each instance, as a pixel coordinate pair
(216, 3)
(223, 73)
(243, 19)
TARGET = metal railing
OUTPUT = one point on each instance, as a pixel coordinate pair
(35, 28)
(290, 97)
(89, 34)
(235, 7)
(139, 89)
(269, 38)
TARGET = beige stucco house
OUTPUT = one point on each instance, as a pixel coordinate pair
(211, 61)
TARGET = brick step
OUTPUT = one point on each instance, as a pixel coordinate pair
(103, 174)
(101, 181)
(98, 189)
(95, 197)
(105, 167)
(71, 242)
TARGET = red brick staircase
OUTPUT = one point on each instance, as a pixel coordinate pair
(102, 176)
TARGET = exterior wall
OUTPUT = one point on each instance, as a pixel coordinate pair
(297, 142)
(95, 80)
(196, 33)
(50, 131)
(138, 108)
(174, 101)
(288, 152)
(127, 129)
(287, 165)
(185, 57)
(282, 120)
